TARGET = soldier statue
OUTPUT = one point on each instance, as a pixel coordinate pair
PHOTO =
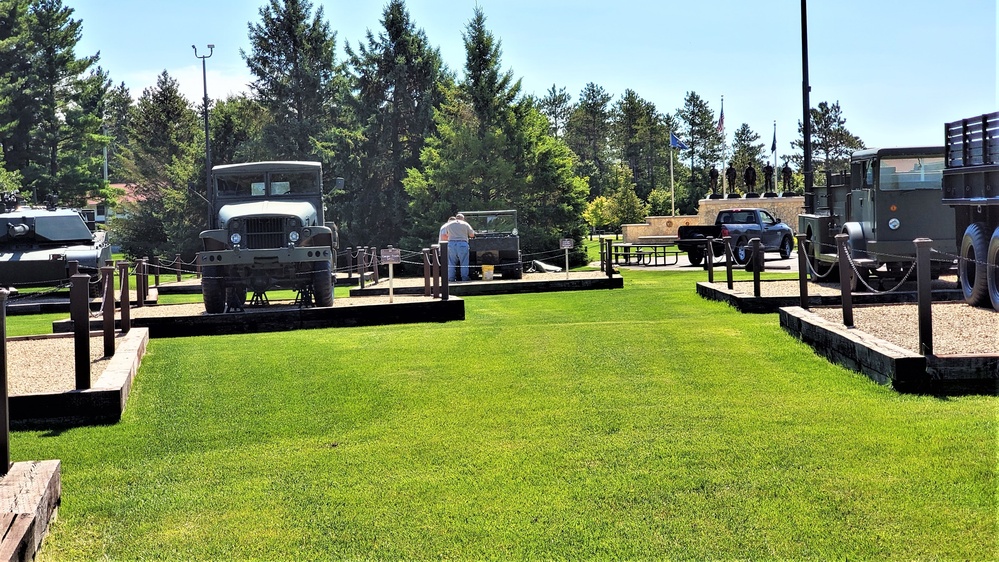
(714, 179)
(750, 177)
(785, 175)
(730, 175)
(768, 178)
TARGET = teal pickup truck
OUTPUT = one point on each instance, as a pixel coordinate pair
(742, 225)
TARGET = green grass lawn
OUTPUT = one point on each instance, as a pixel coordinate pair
(639, 423)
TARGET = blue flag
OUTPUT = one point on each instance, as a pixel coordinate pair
(675, 142)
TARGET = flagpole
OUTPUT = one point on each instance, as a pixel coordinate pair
(775, 148)
(672, 191)
(721, 128)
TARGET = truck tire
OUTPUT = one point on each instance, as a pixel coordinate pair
(213, 289)
(973, 269)
(695, 257)
(741, 253)
(786, 247)
(322, 283)
(993, 269)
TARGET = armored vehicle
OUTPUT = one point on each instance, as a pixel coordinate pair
(268, 231)
(890, 197)
(496, 242)
(36, 246)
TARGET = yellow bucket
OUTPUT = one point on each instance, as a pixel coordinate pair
(487, 273)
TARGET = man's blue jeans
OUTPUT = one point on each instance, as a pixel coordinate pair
(457, 253)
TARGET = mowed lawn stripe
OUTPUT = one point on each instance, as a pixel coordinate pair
(635, 423)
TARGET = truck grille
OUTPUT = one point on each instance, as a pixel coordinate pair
(265, 233)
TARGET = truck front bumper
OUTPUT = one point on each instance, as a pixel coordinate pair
(266, 257)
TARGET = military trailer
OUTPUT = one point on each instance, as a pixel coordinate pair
(268, 231)
(890, 197)
(36, 246)
(971, 187)
(496, 243)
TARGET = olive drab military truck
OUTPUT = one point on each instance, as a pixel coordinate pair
(268, 231)
(496, 243)
(890, 197)
(971, 187)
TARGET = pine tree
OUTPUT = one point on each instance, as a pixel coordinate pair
(704, 142)
(745, 151)
(17, 90)
(490, 90)
(65, 156)
(298, 80)
(395, 84)
(641, 137)
(832, 142)
(557, 106)
(162, 159)
(587, 132)
(493, 151)
(236, 125)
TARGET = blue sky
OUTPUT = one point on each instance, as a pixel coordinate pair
(899, 69)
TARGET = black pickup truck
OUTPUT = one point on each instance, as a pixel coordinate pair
(742, 225)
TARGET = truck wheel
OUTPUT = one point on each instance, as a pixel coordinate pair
(741, 252)
(973, 266)
(322, 283)
(993, 267)
(213, 289)
(695, 256)
(786, 247)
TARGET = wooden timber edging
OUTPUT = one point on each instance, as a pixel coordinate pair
(501, 287)
(886, 363)
(30, 494)
(282, 318)
(102, 403)
(882, 361)
(748, 303)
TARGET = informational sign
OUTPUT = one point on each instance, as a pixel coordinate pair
(390, 255)
(567, 244)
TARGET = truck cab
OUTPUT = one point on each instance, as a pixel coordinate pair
(268, 231)
(890, 197)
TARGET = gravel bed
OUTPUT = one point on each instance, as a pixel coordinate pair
(47, 365)
(957, 328)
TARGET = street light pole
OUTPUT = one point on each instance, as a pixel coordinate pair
(208, 149)
(806, 120)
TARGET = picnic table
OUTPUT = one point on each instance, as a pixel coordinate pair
(647, 252)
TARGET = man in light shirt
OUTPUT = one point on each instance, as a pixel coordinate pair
(442, 237)
(457, 233)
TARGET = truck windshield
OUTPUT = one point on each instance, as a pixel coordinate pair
(281, 183)
(904, 174)
(492, 223)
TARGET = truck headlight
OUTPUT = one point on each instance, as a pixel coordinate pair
(235, 238)
(293, 236)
